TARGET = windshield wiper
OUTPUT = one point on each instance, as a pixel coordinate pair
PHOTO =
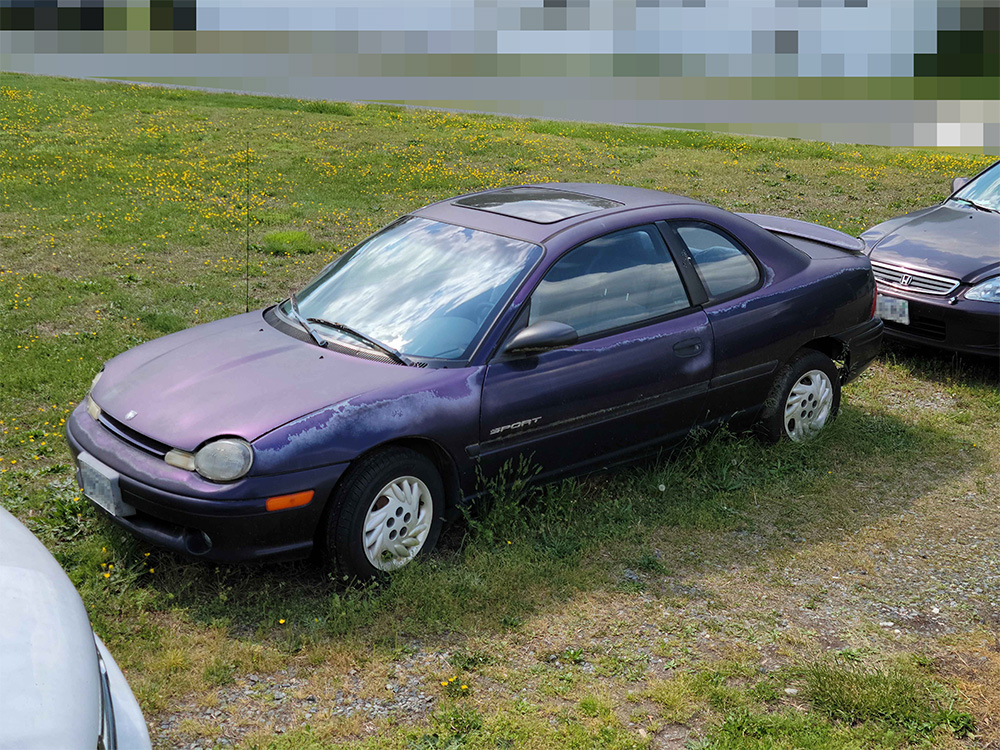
(987, 209)
(396, 355)
(302, 321)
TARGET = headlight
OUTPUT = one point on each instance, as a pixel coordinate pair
(985, 291)
(224, 460)
(92, 408)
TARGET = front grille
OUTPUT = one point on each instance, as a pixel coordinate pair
(928, 328)
(916, 281)
(130, 436)
(933, 329)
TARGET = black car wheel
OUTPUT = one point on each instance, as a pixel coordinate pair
(387, 511)
(804, 399)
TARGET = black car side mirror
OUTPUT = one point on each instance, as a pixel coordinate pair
(540, 336)
(959, 183)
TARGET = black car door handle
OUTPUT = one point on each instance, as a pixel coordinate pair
(689, 348)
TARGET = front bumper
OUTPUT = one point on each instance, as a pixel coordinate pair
(178, 510)
(967, 326)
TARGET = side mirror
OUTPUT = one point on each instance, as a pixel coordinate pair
(543, 335)
(959, 183)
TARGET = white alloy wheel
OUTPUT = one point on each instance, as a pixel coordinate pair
(397, 523)
(808, 405)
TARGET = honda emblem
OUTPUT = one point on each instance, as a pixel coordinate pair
(905, 279)
(131, 414)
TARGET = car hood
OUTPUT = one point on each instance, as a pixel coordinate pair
(950, 241)
(50, 691)
(238, 376)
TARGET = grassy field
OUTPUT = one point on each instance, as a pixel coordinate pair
(840, 594)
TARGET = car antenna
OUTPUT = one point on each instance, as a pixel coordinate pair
(246, 262)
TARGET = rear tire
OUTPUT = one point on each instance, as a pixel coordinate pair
(804, 399)
(387, 510)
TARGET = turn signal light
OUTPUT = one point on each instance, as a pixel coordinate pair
(296, 499)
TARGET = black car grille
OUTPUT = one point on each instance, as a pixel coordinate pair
(915, 281)
(130, 436)
(926, 327)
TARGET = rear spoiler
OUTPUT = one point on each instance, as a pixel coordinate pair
(807, 231)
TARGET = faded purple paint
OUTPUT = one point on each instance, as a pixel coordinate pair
(441, 407)
(237, 376)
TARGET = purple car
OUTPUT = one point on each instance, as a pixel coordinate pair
(575, 325)
(938, 269)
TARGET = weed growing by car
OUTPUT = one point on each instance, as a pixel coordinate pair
(122, 218)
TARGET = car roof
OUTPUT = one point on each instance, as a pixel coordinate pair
(529, 212)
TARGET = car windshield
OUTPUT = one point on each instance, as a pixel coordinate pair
(983, 191)
(421, 287)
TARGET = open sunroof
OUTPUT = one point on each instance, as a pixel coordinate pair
(537, 204)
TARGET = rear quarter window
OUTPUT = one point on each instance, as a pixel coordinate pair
(725, 268)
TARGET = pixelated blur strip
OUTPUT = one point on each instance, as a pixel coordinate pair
(877, 71)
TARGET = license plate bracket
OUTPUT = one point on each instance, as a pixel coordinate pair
(893, 309)
(100, 485)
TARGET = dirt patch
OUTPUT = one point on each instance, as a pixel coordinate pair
(977, 676)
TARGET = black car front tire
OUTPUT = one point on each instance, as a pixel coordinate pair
(804, 399)
(387, 510)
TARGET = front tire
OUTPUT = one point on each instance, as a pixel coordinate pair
(804, 399)
(387, 511)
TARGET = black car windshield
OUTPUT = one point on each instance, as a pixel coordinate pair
(983, 191)
(421, 287)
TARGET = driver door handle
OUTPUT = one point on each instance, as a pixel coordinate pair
(689, 347)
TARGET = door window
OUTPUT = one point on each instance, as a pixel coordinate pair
(723, 267)
(610, 282)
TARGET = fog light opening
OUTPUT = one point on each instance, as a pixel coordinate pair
(198, 542)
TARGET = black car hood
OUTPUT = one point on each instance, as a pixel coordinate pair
(948, 240)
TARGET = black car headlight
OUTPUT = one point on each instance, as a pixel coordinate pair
(222, 460)
(985, 291)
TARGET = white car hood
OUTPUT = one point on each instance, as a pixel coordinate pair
(49, 680)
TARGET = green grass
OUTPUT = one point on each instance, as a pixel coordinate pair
(123, 217)
(289, 243)
(852, 706)
(853, 695)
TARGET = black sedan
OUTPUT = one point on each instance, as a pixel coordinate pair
(938, 269)
(574, 325)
